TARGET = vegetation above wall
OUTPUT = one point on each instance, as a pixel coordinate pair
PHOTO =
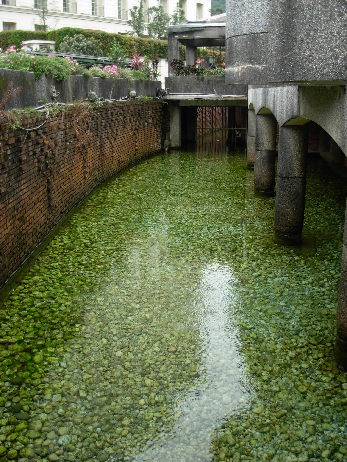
(153, 49)
(199, 68)
(60, 68)
(217, 6)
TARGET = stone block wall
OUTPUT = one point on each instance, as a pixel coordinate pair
(28, 92)
(45, 172)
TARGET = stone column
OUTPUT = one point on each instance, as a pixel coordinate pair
(175, 125)
(173, 51)
(190, 55)
(265, 154)
(291, 182)
(251, 138)
(342, 304)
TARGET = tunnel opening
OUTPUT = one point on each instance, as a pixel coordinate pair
(214, 129)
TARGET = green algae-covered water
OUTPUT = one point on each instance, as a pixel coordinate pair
(162, 322)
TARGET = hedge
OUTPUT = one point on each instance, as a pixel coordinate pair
(146, 46)
(16, 37)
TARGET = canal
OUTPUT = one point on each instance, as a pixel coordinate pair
(163, 322)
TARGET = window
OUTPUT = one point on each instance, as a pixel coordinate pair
(199, 11)
(9, 26)
(40, 4)
(183, 5)
(66, 6)
(97, 8)
(122, 9)
(40, 27)
(8, 2)
(164, 5)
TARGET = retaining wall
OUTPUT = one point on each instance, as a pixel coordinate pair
(29, 92)
(45, 172)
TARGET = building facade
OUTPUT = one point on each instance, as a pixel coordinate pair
(106, 15)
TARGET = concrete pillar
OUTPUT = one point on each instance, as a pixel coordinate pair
(291, 182)
(173, 51)
(251, 138)
(190, 55)
(265, 154)
(342, 304)
(175, 125)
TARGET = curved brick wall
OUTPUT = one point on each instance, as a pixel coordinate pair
(44, 173)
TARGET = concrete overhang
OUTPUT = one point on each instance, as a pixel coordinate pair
(199, 34)
(200, 99)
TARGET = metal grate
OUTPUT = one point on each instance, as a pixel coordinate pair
(219, 129)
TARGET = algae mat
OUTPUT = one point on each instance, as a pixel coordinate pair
(163, 323)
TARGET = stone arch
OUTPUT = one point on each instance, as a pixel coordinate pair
(339, 141)
(330, 150)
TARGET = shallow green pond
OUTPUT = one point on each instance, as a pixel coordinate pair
(163, 323)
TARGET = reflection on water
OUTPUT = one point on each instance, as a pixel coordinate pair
(218, 391)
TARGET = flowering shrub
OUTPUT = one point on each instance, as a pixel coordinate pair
(58, 68)
(112, 70)
(137, 62)
(12, 49)
(198, 68)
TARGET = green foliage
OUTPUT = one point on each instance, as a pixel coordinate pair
(130, 44)
(178, 15)
(96, 71)
(58, 68)
(217, 6)
(81, 45)
(137, 20)
(133, 74)
(158, 22)
(16, 37)
(117, 54)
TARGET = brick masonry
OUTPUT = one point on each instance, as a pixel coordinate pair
(45, 172)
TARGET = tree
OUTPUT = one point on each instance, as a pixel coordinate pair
(217, 7)
(178, 15)
(158, 22)
(41, 5)
(137, 21)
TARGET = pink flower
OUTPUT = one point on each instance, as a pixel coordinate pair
(111, 70)
(11, 49)
(222, 64)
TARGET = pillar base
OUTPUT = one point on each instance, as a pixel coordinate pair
(264, 172)
(341, 351)
(290, 207)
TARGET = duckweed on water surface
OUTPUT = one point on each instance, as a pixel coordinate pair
(163, 323)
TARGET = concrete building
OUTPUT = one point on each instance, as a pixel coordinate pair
(106, 15)
(292, 55)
